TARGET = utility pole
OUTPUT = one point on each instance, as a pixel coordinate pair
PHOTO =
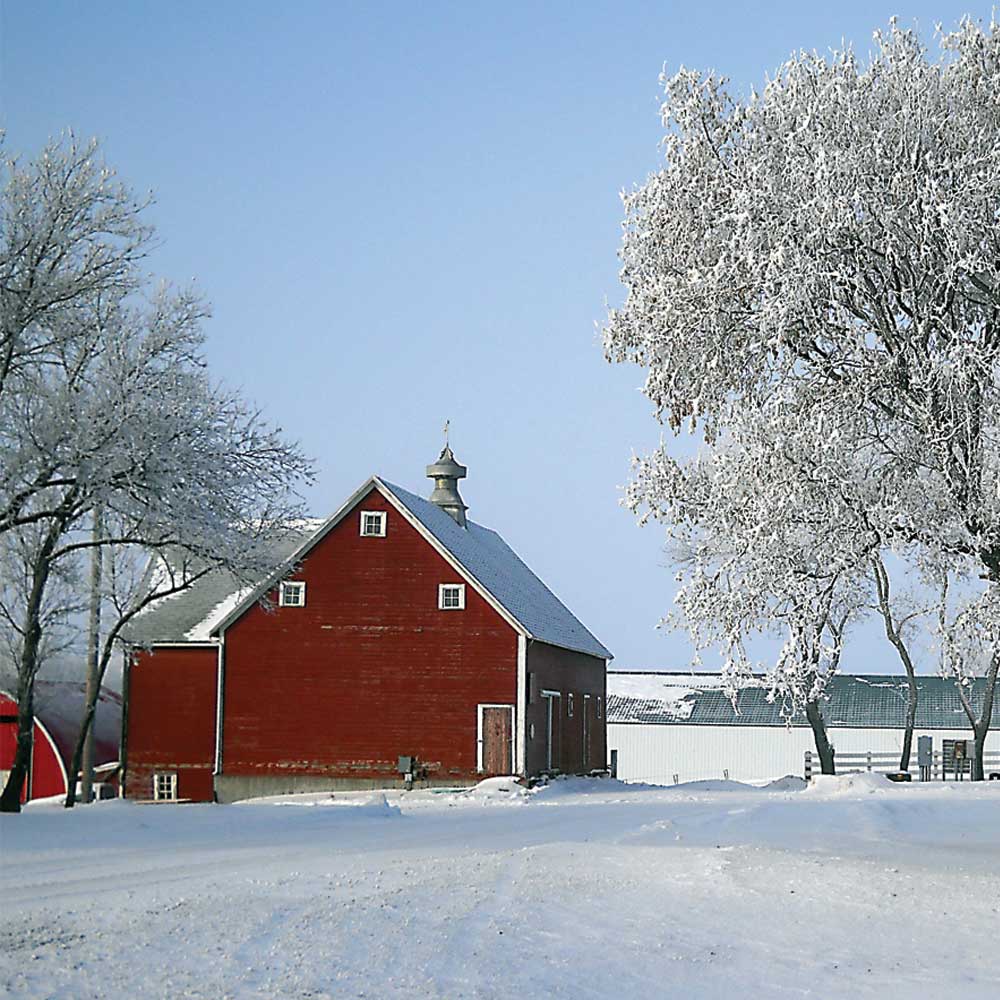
(93, 652)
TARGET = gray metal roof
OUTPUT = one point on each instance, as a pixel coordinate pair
(870, 701)
(497, 567)
(191, 615)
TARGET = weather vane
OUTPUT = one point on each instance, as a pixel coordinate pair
(447, 424)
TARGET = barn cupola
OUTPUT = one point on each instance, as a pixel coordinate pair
(446, 473)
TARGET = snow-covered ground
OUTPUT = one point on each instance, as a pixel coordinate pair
(852, 888)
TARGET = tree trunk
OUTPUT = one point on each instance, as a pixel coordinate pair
(823, 747)
(86, 731)
(979, 745)
(893, 634)
(911, 721)
(10, 799)
(981, 725)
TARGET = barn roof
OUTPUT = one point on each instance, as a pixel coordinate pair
(206, 609)
(491, 562)
(191, 615)
(870, 701)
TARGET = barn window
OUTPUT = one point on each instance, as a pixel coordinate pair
(292, 594)
(373, 523)
(569, 705)
(451, 596)
(600, 707)
(165, 786)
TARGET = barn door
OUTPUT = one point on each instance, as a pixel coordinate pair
(496, 739)
(553, 730)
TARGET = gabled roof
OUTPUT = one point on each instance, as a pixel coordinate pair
(485, 558)
(478, 554)
(870, 701)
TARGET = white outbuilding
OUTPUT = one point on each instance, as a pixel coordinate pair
(665, 728)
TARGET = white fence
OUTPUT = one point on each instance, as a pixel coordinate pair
(943, 765)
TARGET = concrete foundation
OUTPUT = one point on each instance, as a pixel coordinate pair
(237, 787)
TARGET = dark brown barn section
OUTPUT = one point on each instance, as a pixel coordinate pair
(395, 629)
(566, 709)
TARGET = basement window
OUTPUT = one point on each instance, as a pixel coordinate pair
(373, 523)
(292, 594)
(451, 596)
(165, 786)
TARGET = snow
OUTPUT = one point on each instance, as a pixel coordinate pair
(854, 784)
(202, 632)
(582, 888)
(675, 695)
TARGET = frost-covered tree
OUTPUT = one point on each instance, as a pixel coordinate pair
(106, 402)
(834, 239)
(769, 541)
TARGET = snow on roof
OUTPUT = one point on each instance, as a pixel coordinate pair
(504, 575)
(649, 693)
(873, 701)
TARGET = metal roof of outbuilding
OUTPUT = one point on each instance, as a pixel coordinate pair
(871, 701)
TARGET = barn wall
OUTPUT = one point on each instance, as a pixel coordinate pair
(655, 753)
(367, 671)
(171, 720)
(555, 669)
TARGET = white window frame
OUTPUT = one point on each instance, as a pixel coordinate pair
(458, 588)
(480, 739)
(171, 781)
(380, 516)
(283, 590)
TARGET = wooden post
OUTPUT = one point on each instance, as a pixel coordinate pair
(93, 653)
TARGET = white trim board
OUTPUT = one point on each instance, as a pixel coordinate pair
(521, 713)
(220, 668)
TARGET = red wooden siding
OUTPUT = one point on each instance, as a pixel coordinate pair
(369, 669)
(554, 669)
(45, 776)
(171, 721)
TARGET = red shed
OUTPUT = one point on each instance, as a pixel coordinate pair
(400, 641)
(58, 711)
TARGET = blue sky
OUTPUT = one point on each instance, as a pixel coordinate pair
(406, 213)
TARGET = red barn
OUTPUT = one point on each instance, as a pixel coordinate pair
(58, 711)
(400, 639)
